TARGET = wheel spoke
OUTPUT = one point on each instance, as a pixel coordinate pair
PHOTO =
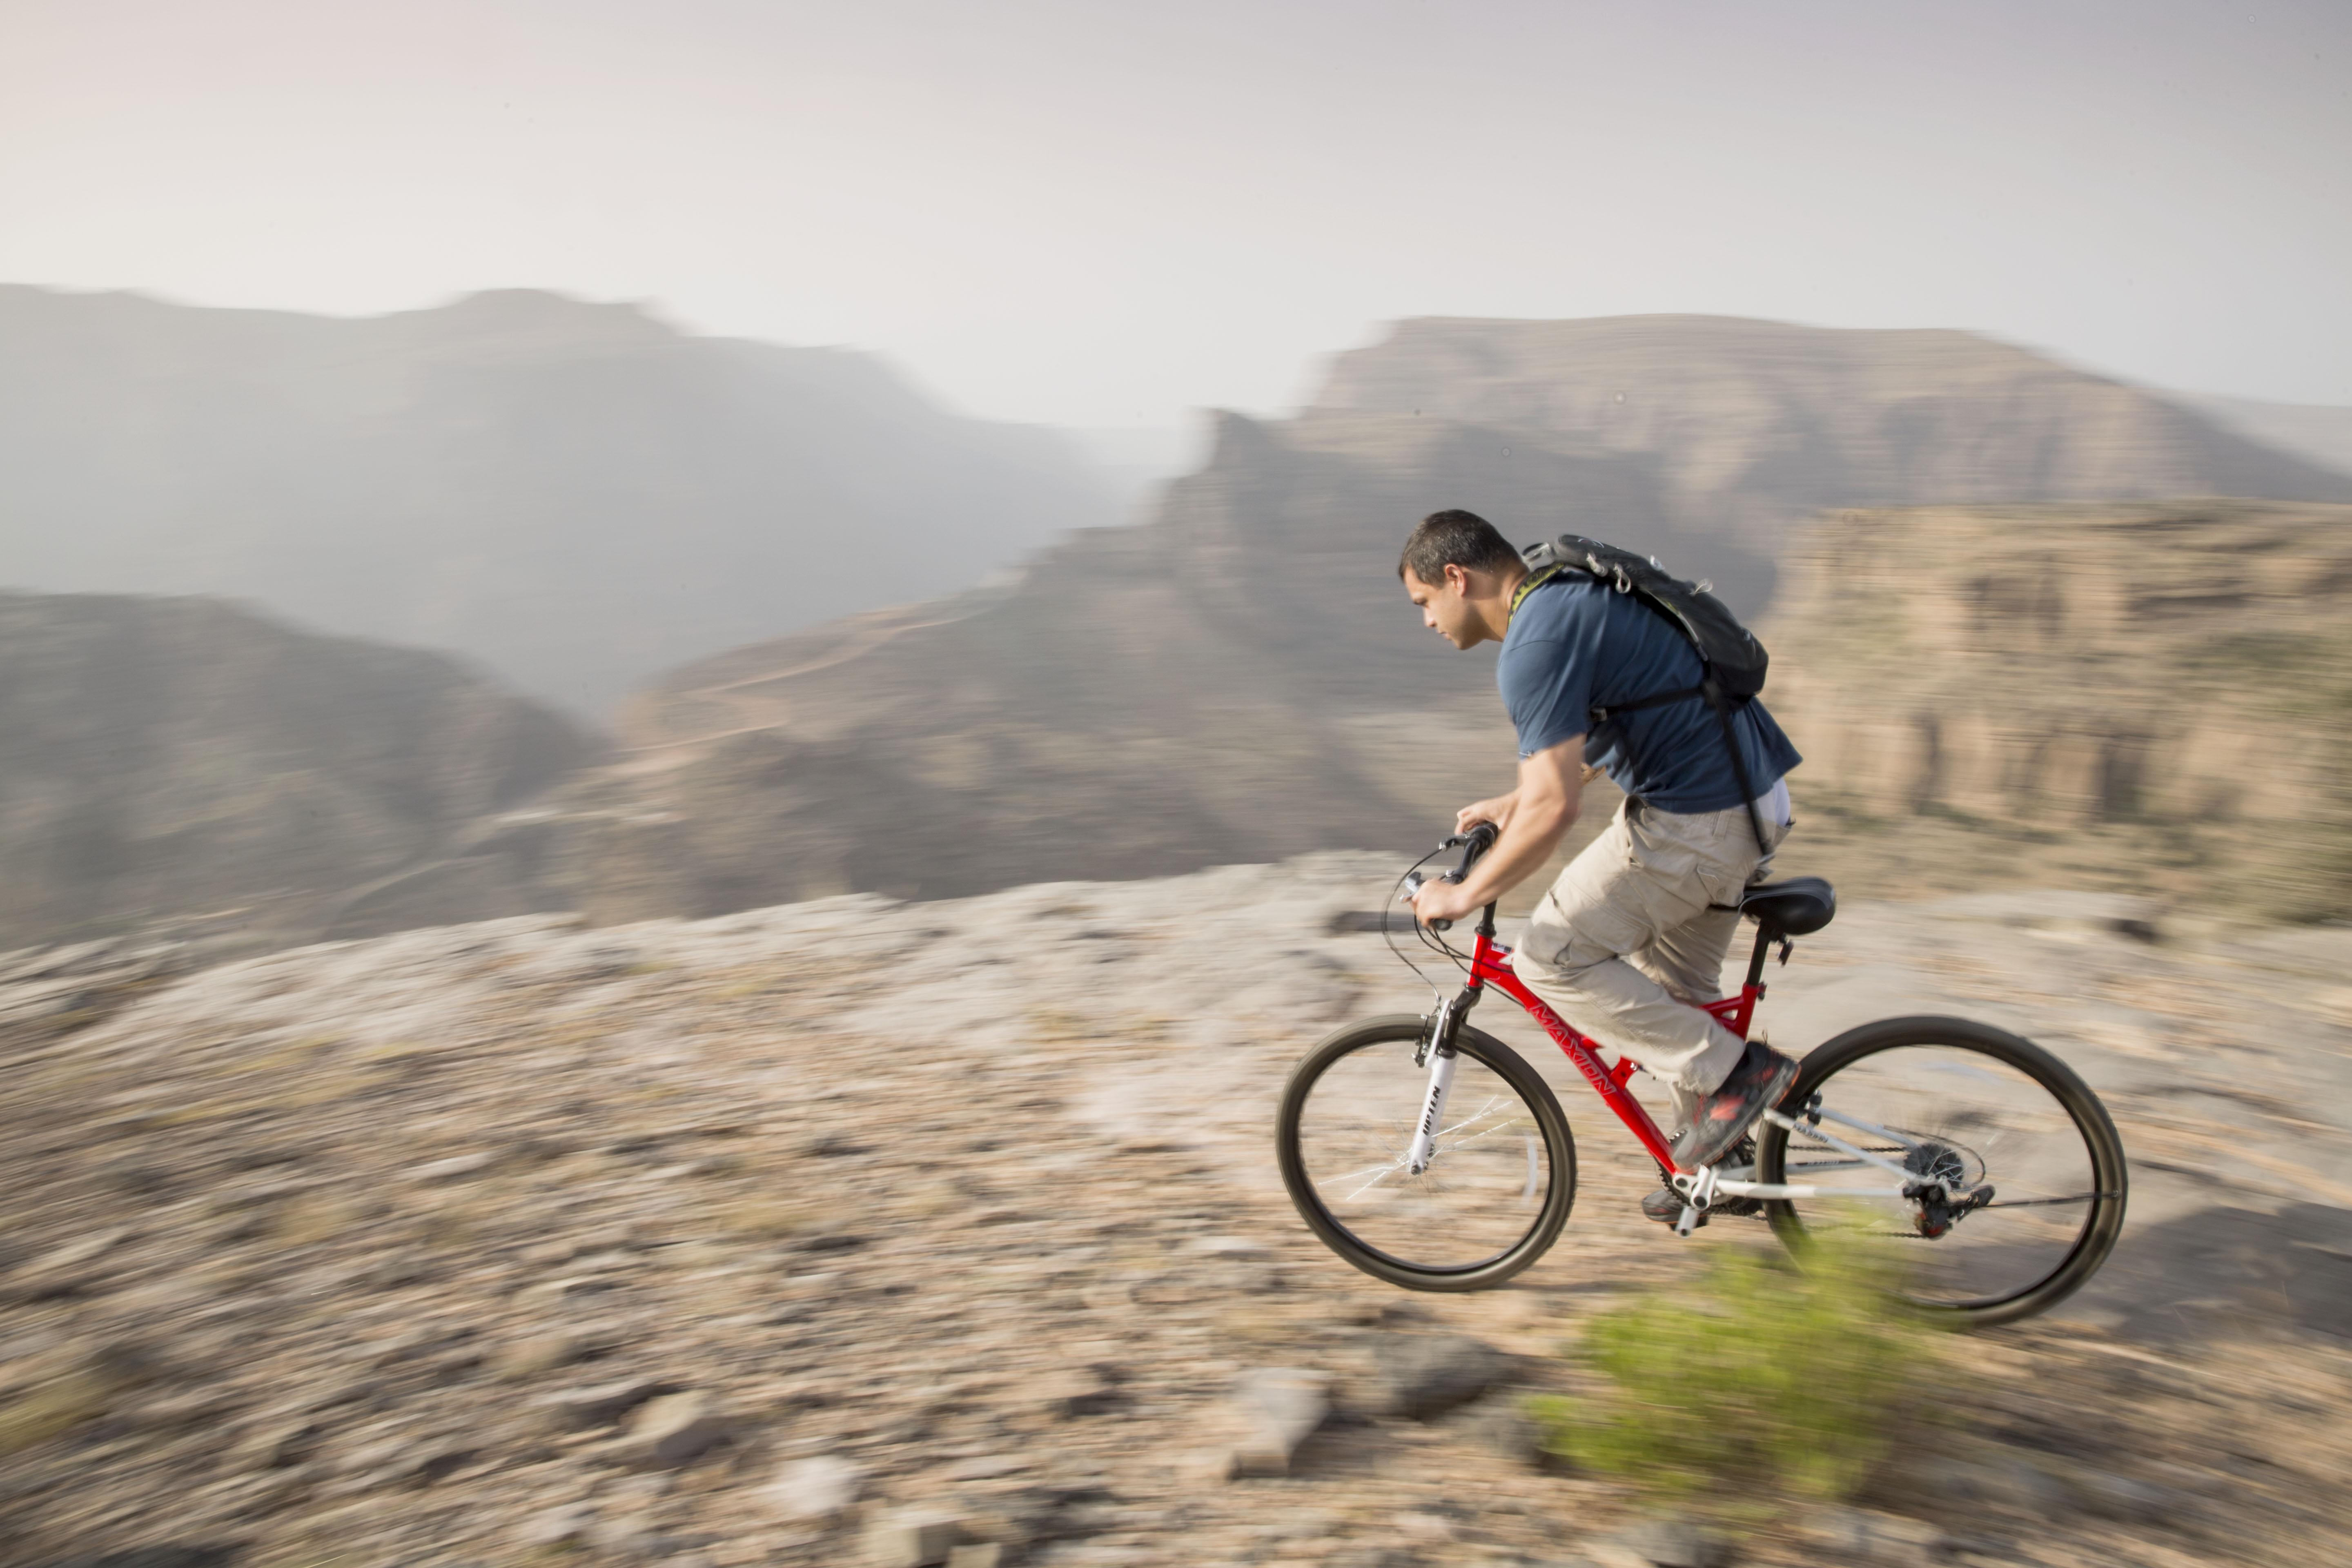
(1385, 1172)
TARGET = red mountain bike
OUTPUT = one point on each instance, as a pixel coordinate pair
(1431, 1154)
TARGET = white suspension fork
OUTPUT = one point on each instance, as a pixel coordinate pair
(1433, 1112)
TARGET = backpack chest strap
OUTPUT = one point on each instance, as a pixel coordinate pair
(1599, 715)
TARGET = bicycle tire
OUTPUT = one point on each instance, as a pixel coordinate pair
(1560, 1151)
(2102, 1145)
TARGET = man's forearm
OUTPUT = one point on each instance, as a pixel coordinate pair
(1528, 840)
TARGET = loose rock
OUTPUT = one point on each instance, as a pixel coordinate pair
(404, 1462)
(816, 1488)
(1421, 1376)
(562, 1526)
(1501, 1423)
(1883, 1540)
(913, 1539)
(66, 1270)
(1279, 1408)
(1080, 1391)
(601, 1404)
(541, 1354)
(2123, 1499)
(675, 1429)
(1665, 1543)
(457, 1168)
(277, 1446)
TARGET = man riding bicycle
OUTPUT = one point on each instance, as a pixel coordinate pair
(1634, 931)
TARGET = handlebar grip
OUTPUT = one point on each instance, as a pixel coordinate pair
(1414, 882)
(1477, 841)
(1473, 843)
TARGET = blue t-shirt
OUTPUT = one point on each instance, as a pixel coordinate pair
(1575, 644)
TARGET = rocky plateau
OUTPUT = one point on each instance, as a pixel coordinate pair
(862, 1231)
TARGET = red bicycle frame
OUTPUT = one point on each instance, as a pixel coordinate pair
(1490, 963)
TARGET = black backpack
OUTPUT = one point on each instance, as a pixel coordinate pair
(1732, 661)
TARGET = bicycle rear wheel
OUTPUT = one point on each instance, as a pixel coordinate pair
(1499, 1182)
(2026, 1144)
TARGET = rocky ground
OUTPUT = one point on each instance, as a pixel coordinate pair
(857, 1231)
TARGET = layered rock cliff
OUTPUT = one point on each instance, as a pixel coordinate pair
(2154, 695)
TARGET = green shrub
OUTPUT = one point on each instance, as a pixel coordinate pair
(1791, 1380)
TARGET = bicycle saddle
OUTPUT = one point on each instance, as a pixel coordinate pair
(1793, 908)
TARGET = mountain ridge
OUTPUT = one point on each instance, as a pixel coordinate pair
(1635, 384)
(1240, 678)
(576, 494)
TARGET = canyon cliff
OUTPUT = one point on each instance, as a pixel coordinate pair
(2155, 696)
(1241, 679)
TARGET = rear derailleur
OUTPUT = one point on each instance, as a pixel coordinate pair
(1935, 1212)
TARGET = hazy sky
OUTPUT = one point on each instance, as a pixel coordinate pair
(1105, 214)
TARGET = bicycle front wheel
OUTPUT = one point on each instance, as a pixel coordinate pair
(1498, 1181)
(2016, 1173)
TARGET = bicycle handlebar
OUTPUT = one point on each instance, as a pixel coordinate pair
(1473, 843)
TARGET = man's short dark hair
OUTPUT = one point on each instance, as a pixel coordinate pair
(1461, 539)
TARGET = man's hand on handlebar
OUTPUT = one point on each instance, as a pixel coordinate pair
(1497, 811)
(1435, 910)
(1440, 900)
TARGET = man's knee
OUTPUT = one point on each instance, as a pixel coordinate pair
(1557, 957)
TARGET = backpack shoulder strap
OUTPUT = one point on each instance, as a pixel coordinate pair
(1529, 584)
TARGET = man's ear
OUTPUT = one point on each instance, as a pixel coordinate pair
(1458, 579)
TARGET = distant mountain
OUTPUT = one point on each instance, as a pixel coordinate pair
(185, 761)
(576, 494)
(1746, 426)
(1242, 679)
(2317, 433)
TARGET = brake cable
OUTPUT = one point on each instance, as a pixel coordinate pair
(1428, 938)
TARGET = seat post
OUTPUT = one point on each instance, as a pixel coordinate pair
(1755, 960)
